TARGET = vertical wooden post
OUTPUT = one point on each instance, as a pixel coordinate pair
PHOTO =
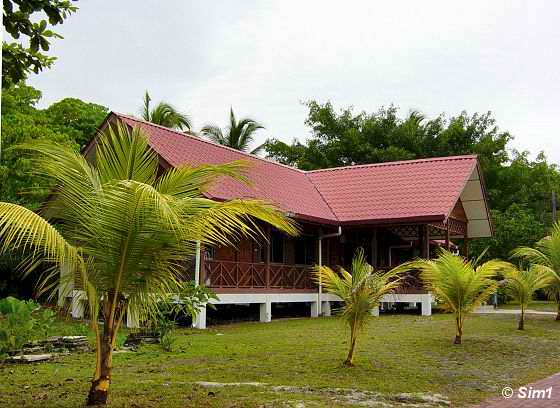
(447, 240)
(427, 240)
(267, 256)
(374, 248)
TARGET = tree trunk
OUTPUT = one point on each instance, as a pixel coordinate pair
(558, 313)
(99, 390)
(521, 320)
(458, 330)
(350, 359)
(113, 314)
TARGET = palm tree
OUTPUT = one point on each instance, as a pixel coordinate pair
(361, 291)
(553, 293)
(546, 254)
(124, 231)
(164, 114)
(521, 285)
(238, 135)
(459, 284)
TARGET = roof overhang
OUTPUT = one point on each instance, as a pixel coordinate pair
(475, 203)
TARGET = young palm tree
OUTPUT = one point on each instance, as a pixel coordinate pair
(546, 254)
(521, 285)
(238, 135)
(165, 115)
(459, 284)
(361, 291)
(553, 293)
(123, 231)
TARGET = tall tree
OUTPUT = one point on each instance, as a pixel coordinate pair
(76, 118)
(24, 18)
(164, 114)
(238, 135)
(124, 231)
(70, 122)
(361, 291)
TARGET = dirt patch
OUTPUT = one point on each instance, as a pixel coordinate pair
(348, 396)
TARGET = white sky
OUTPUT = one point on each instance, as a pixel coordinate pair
(264, 57)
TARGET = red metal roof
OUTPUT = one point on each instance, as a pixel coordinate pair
(426, 188)
(395, 191)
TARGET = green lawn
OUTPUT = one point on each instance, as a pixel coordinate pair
(397, 354)
(540, 305)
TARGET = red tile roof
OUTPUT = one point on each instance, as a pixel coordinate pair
(425, 189)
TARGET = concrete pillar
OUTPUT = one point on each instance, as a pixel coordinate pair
(266, 312)
(199, 322)
(427, 305)
(375, 311)
(326, 308)
(314, 309)
(78, 306)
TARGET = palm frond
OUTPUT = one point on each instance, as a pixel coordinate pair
(123, 154)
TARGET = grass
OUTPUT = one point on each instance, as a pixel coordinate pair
(396, 354)
(540, 305)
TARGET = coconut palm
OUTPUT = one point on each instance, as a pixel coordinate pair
(238, 135)
(553, 293)
(165, 114)
(546, 254)
(460, 285)
(123, 231)
(521, 285)
(361, 291)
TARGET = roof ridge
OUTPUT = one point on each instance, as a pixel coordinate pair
(209, 142)
(397, 163)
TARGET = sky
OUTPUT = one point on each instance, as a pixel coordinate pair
(264, 58)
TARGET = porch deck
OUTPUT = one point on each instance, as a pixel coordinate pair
(244, 277)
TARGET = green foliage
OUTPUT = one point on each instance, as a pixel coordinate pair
(238, 135)
(168, 341)
(69, 122)
(347, 138)
(20, 322)
(545, 255)
(16, 324)
(164, 114)
(361, 291)
(521, 285)
(188, 301)
(75, 118)
(459, 285)
(21, 19)
(516, 225)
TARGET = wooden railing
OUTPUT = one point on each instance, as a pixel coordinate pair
(248, 275)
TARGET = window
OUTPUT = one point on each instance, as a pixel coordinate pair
(305, 251)
(276, 247)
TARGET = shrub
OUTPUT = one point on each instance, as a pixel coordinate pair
(168, 341)
(20, 322)
(16, 324)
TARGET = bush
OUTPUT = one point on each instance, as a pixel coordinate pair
(168, 341)
(16, 324)
(20, 322)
